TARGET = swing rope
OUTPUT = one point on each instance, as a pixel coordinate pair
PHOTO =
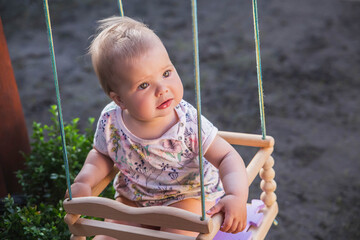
(258, 68)
(198, 102)
(121, 8)
(58, 97)
(62, 132)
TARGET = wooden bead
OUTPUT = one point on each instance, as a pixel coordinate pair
(268, 198)
(269, 163)
(268, 174)
(268, 186)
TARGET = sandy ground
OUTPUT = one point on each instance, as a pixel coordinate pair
(310, 58)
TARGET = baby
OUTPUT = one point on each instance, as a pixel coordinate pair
(150, 133)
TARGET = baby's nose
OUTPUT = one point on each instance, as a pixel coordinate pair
(161, 90)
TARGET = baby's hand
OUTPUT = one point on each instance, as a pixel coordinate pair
(235, 213)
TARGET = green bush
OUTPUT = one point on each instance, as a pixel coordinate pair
(44, 178)
(44, 182)
(33, 222)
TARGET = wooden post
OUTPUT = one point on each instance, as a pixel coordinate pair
(13, 133)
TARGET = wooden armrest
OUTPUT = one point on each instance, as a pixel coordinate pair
(217, 220)
(246, 139)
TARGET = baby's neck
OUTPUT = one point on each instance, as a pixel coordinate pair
(149, 129)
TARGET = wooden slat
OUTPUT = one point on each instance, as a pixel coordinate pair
(257, 163)
(163, 216)
(245, 139)
(269, 217)
(88, 227)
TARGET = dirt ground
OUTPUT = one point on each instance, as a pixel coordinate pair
(310, 58)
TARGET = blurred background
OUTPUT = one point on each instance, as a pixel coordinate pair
(310, 59)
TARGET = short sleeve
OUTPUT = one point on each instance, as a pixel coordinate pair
(208, 132)
(100, 133)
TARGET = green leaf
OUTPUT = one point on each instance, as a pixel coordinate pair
(54, 176)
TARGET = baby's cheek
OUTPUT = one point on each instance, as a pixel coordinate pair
(177, 88)
(147, 108)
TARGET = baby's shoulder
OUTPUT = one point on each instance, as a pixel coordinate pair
(109, 110)
(110, 107)
(186, 108)
(108, 118)
(109, 115)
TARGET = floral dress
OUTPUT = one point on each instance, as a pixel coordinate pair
(159, 171)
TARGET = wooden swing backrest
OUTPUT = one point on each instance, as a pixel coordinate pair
(171, 217)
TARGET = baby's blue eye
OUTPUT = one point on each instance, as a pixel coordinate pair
(166, 73)
(143, 85)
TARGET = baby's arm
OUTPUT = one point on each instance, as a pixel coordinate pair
(95, 168)
(234, 178)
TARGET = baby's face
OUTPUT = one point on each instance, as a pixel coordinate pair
(150, 88)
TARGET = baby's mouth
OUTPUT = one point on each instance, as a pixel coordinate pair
(165, 104)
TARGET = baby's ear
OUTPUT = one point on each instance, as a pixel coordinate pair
(116, 98)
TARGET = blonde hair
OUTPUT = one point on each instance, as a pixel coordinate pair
(118, 38)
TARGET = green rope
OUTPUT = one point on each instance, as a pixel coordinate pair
(198, 102)
(52, 53)
(258, 68)
(121, 8)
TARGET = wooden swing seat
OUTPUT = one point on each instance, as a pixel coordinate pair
(171, 217)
